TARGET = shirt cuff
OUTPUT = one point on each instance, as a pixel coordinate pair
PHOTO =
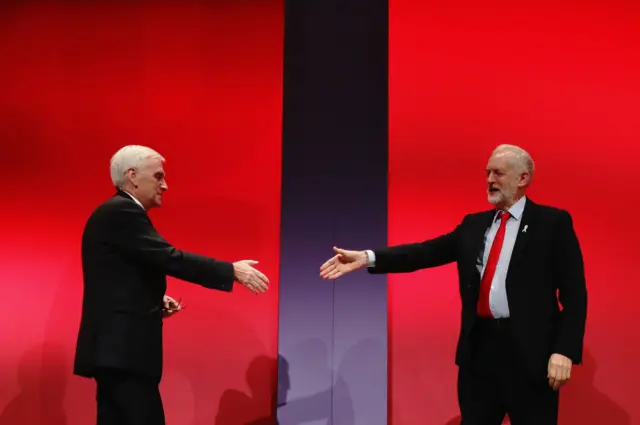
(371, 258)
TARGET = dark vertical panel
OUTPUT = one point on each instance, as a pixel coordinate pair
(333, 335)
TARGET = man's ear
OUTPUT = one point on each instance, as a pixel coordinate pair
(132, 172)
(525, 179)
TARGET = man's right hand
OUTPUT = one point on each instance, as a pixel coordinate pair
(342, 263)
(245, 274)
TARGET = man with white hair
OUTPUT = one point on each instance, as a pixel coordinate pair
(125, 263)
(516, 263)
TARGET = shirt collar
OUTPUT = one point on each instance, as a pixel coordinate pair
(516, 209)
(135, 199)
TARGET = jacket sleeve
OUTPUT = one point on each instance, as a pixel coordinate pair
(134, 234)
(415, 256)
(572, 290)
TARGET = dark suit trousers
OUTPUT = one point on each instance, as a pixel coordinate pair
(497, 382)
(127, 398)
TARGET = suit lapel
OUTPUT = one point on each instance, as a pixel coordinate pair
(524, 230)
(483, 223)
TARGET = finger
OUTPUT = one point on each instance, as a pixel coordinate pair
(340, 252)
(259, 285)
(558, 384)
(560, 374)
(330, 262)
(250, 262)
(262, 277)
(250, 287)
(332, 268)
(325, 274)
(254, 285)
(338, 271)
(328, 268)
(334, 275)
(264, 284)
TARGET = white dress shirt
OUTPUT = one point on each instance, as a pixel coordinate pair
(498, 296)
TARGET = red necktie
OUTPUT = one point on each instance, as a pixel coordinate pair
(484, 310)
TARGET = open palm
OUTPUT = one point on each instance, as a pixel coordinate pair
(342, 263)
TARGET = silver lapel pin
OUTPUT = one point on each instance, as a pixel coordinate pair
(525, 228)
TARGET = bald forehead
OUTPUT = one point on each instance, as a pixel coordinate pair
(504, 159)
(153, 167)
(512, 158)
(152, 162)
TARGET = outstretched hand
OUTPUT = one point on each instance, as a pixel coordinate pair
(342, 263)
(245, 274)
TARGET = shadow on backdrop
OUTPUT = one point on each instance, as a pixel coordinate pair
(43, 375)
(238, 408)
(581, 403)
(311, 364)
(336, 404)
(360, 368)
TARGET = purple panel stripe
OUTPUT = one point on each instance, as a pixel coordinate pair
(333, 335)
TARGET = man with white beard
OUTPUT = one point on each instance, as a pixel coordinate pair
(523, 293)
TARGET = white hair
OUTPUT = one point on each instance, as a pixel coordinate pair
(522, 157)
(128, 157)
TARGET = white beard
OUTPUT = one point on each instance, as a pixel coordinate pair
(494, 198)
(501, 196)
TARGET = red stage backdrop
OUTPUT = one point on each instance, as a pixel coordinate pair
(202, 85)
(561, 80)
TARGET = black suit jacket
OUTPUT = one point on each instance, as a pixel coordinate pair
(125, 263)
(546, 267)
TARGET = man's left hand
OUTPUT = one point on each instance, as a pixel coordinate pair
(559, 370)
(170, 306)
